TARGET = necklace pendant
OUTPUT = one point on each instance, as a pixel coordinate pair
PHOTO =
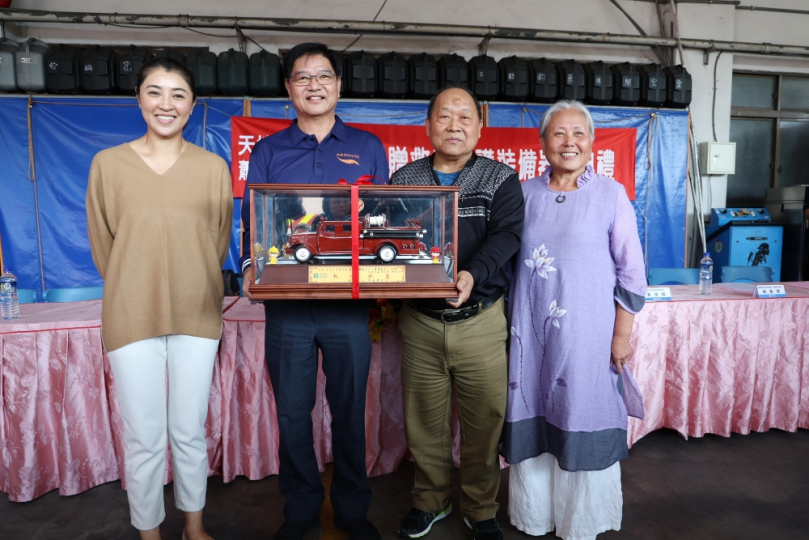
(560, 198)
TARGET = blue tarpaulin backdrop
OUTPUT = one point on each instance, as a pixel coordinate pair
(68, 132)
(661, 159)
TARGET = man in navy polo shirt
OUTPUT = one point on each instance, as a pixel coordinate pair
(318, 148)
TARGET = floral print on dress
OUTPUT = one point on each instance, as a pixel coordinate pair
(540, 262)
(555, 313)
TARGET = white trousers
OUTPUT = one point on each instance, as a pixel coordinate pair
(152, 410)
(579, 505)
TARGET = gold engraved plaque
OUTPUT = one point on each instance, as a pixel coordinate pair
(382, 274)
(368, 274)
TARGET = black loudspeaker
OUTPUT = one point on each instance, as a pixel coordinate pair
(652, 85)
(62, 75)
(514, 79)
(484, 77)
(202, 64)
(282, 86)
(572, 80)
(599, 83)
(343, 76)
(453, 71)
(543, 80)
(678, 87)
(231, 72)
(423, 76)
(392, 69)
(97, 71)
(362, 74)
(626, 80)
(127, 64)
(265, 74)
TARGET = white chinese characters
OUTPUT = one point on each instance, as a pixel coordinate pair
(246, 144)
(397, 158)
(606, 163)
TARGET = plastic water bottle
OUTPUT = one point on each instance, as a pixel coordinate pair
(9, 303)
(705, 274)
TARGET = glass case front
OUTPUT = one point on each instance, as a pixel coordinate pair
(306, 243)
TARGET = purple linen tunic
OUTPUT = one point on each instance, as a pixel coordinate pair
(577, 259)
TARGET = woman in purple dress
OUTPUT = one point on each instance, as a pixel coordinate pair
(579, 280)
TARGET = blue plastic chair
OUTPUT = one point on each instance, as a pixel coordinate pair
(673, 276)
(26, 296)
(747, 274)
(74, 294)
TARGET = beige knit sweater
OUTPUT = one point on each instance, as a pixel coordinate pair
(159, 242)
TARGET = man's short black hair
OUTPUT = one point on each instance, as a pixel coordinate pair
(431, 106)
(312, 49)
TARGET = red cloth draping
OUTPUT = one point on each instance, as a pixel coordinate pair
(723, 364)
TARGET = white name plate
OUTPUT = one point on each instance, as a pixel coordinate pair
(770, 291)
(658, 294)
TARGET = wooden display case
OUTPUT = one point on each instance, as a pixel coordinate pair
(400, 241)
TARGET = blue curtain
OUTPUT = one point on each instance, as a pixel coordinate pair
(661, 160)
(18, 226)
(68, 132)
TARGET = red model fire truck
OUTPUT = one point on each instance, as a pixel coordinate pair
(332, 239)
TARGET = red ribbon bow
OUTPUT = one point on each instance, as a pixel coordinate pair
(355, 231)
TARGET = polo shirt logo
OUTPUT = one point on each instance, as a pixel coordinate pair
(349, 159)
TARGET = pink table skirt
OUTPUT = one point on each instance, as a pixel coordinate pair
(722, 365)
(60, 426)
(719, 365)
(246, 415)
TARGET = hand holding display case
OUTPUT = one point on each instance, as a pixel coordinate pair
(399, 241)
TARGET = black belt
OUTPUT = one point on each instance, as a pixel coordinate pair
(463, 314)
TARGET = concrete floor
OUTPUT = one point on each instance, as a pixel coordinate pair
(744, 487)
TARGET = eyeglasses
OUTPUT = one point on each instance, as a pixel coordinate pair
(324, 78)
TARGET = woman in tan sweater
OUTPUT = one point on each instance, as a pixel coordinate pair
(159, 215)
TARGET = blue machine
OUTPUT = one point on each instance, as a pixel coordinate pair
(744, 237)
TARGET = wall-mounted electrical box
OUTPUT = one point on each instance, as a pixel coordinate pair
(717, 158)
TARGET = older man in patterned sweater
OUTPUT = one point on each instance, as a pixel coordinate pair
(462, 341)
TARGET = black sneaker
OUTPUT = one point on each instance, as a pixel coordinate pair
(488, 529)
(418, 523)
(294, 530)
(358, 528)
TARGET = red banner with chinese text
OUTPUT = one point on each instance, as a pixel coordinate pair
(613, 149)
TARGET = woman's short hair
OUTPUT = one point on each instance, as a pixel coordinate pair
(564, 105)
(167, 64)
